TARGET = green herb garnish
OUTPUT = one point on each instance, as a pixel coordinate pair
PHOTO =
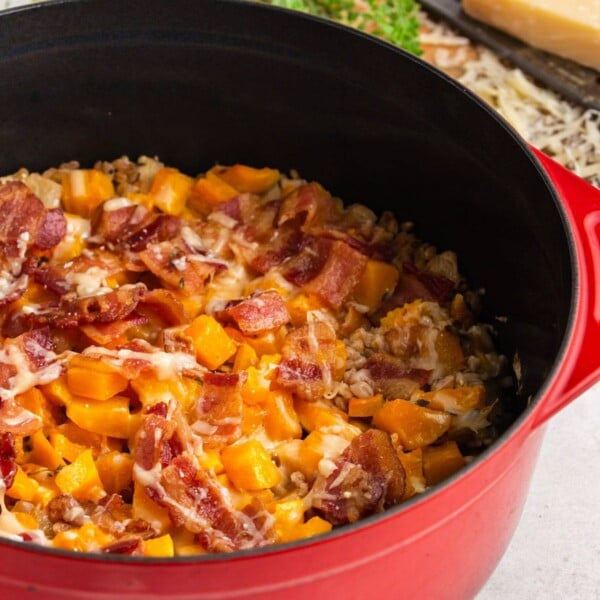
(395, 21)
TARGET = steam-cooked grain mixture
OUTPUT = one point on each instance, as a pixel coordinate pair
(210, 364)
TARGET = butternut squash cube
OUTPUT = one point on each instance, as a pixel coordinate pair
(211, 343)
(43, 452)
(170, 190)
(413, 467)
(245, 357)
(87, 538)
(27, 520)
(64, 447)
(81, 479)
(160, 546)
(209, 191)
(249, 466)
(439, 462)
(83, 190)
(23, 487)
(115, 470)
(248, 179)
(281, 420)
(145, 508)
(364, 407)
(415, 426)
(379, 279)
(314, 415)
(107, 417)
(454, 400)
(288, 515)
(95, 385)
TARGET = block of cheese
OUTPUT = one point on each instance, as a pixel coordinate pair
(569, 28)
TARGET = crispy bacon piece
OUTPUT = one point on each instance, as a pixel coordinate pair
(415, 284)
(177, 267)
(24, 223)
(192, 496)
(23, 214)
(112, 334)
(392, 378)
(195, 501)
(313, 204)
(328, 268)
(8, 465)
(159, 229)
(219, 410)
(308, 360)
(283, 245)
(164, 305)
(262, 312)
(104, 308)
(130, 546)
(368, 478)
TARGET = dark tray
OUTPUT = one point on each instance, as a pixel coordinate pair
(570, 79)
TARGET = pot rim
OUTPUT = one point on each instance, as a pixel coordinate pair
(557, 375)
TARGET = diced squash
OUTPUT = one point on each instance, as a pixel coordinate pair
(256, 388)
(73, 243)
(145, 200)
(160, 546)
(115, 470)
(299, 305)
(43, 452)
(145, 508)
(26, 520)
(248, 179)
(81, 479)
(317, 446)
(87, 538)
(107, 417)
(364, 407)
(454, 400)
(249, 466)
(312, 527)
(449, 351)
(354, 320)
(152, 390)
(211, 343)
(170, 190)
(209, 191)
(57, 391)
(35, 401)
(379, 280)
(413, 467)
(64, 447)
(95, 385)
(439, 462)
(267, 343)
(314, 415)
(415, 425)
(210, 460)
(281, 420)
(83, 190)
(23, 487)
(252, 418)
(245, 357)
(288, 515)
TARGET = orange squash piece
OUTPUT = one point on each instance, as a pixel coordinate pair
(83, 190)
(211, 343)
(415, 426)
(249, 466)
(439, 462)
(248, 179)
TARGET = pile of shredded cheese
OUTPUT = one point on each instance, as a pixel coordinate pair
(568, 133)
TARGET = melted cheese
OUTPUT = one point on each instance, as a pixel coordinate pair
(91, 282)
(568, 28)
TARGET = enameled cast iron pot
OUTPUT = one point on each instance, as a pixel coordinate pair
(199, 81)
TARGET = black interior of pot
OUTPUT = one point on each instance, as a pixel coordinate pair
(200, 81)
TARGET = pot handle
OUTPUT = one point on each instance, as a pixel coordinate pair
(582, 205)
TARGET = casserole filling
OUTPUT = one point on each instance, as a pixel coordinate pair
(218, 363)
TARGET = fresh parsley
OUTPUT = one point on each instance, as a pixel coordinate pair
(396, 21)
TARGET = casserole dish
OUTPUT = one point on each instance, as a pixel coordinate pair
(196, 82)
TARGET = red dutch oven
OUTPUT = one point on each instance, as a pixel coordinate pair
(200, 81)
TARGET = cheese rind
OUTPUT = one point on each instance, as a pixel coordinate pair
(569, 28)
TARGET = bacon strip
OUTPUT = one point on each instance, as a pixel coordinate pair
(104, 308)
(308, 360)
(313, 204)
(111, 334)
(219, 410)
(368, 478)
(8, 465)
(392, 378)
(262, 312)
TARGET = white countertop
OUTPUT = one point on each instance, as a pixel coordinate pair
(555, 552)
